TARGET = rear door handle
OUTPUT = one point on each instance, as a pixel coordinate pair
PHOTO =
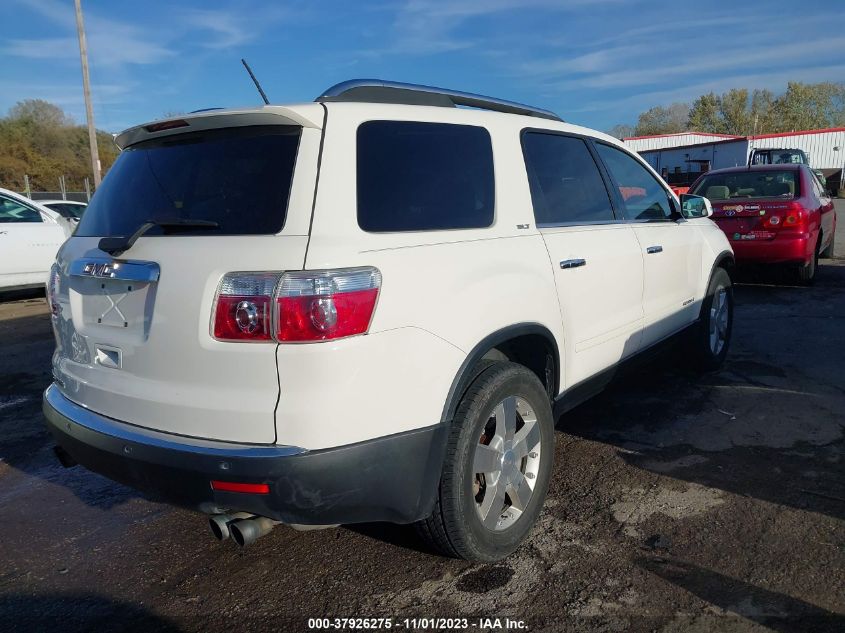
(573, 263)
(651, 250)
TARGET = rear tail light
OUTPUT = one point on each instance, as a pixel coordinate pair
(295, 307)
(243, 308)
(329, 304)
(791, 217)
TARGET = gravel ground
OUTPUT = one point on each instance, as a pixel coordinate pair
(678, 503)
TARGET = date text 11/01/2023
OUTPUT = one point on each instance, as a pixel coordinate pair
(417, 624)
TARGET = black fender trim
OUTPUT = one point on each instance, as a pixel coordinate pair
(725, 257)
(465, 374)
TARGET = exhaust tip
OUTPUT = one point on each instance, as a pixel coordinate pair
(221, 524)
(242, 534)
(248, 531)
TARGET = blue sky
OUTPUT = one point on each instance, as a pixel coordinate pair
(595, 62)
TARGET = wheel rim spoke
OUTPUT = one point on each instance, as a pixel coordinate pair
(506, 419)
(718, 326)
(506, 463)
(486, 460)
(492, 505)
(520, 492)
(526, 439)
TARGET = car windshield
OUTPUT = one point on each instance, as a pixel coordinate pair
(237, 178)
(749, 184)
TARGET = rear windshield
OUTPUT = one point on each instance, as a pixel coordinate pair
(71, 211)
(239, 178)
(424, 176)
(779, 157)
(749, 184)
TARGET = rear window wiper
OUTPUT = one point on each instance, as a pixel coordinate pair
(116, 246)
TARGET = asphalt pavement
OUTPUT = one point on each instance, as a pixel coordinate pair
(679, 502)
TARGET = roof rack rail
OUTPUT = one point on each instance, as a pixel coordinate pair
(379, 91)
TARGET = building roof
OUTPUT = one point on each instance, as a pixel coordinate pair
(639, 138)
(730, 137)
(798, 133)
(734, 139)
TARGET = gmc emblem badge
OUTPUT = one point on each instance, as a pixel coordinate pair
(100, 269)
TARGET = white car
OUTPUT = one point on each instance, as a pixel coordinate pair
(30, 236)
(70, 210)
(369, 308)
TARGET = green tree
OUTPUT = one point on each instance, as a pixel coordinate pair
(704, 114)
(621, 130)
(762, 113)
(660, 120)
(805, 106)
(38, 139)
(734, 113)
(39, 112)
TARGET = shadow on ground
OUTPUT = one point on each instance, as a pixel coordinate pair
(76, 612)
(768, 425)
(729, 596)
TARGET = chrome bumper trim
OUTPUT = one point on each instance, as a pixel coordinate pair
(66, 412)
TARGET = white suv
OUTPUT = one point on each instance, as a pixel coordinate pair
(368, 308)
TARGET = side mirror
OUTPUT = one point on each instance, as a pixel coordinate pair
(695, 206)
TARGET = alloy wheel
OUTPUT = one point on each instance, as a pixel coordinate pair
(506, 463)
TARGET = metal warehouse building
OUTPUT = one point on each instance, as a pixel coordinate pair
(684, 156)
(682, 139)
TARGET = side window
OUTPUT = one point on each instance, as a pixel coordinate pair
(817, 185)
(424, 176)
(644, 197)
(566, 185)
(14, 211)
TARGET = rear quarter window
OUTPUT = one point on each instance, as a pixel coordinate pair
(424, 176)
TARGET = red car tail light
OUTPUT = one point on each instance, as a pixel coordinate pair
(326, 304)
(795, 218)
(242, 310)
(790, 217)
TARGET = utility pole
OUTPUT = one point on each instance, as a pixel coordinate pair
(86, 87)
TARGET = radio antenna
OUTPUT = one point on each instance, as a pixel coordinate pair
(255, 81)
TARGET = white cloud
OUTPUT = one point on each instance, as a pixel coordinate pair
(652, 72)
(776, 80)
(226, 30)
(112, 43)
(424, 27)
(48, 48)
(233, 26)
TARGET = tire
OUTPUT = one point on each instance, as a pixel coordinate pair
(505, 403)
(712, 337)
(828, 252)
(807, 272)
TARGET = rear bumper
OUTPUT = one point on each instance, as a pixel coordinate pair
(780, 250)
(390, 478)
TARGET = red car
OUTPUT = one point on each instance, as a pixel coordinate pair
(772, 214)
